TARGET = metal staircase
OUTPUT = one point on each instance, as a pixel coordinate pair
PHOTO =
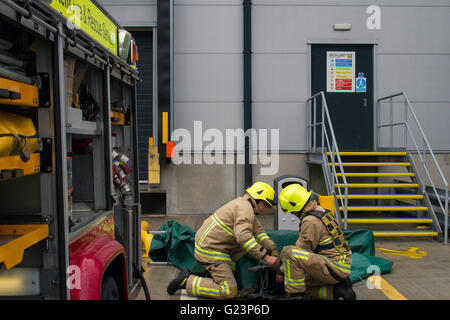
(384, 190)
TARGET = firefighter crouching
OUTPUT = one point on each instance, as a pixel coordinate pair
(319, 264)
(225, 236)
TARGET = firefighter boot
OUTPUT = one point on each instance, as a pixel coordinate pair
(179, 282)
(344, 290)
(294, 296)
(297, 296)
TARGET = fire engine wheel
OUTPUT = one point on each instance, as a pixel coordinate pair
(110, 291)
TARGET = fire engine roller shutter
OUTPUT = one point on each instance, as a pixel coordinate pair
(144, 40)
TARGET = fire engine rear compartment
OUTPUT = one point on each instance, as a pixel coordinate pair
(68, 196)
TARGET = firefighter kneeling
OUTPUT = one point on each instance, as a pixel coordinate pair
(319, 264)
(225, 236)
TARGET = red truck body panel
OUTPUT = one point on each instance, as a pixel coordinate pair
(92, 253)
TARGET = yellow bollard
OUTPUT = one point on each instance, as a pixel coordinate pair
(145, 225)
(146, 238)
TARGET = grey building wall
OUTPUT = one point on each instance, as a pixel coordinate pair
(132, 13)
(412, 54)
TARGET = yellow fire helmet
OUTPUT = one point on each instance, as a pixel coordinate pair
(293, 198)
(262, 191)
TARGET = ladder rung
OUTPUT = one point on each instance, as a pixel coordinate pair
(405, 234)
(383, 196)
(379, 185)
(384, 208)
(381, 220)
(372, 164)
(347, 153)
(376, 174)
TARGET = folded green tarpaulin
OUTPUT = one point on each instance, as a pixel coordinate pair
(177, 245)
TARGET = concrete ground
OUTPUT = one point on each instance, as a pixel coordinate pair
(422, 275)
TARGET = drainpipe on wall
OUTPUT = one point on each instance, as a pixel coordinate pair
(247, 5)
(172, 89)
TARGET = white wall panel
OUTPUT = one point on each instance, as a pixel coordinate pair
(208, 78)
(416, 29)
(289, 118)
(280, 77)
(133, 13)
(433, 118)
(220, 116)
(422, 77)
(208, 29)
(286, 29)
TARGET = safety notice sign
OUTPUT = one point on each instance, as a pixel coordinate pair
(340, 71)
(361, 83)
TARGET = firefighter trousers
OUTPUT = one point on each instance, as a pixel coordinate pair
(309, 272)
(222, 286)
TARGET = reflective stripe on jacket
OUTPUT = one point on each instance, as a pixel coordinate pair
(313, 233)
(231, 232)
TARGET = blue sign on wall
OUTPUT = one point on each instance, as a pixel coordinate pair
(361, 83)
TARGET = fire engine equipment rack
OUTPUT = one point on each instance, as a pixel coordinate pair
(52, 218)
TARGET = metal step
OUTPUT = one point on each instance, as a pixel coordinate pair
(382, 196)
(385, 208)
(372, 164)
(345, 153)
(405, 234)
(376, 174)
(387, 221)
(379, 185)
